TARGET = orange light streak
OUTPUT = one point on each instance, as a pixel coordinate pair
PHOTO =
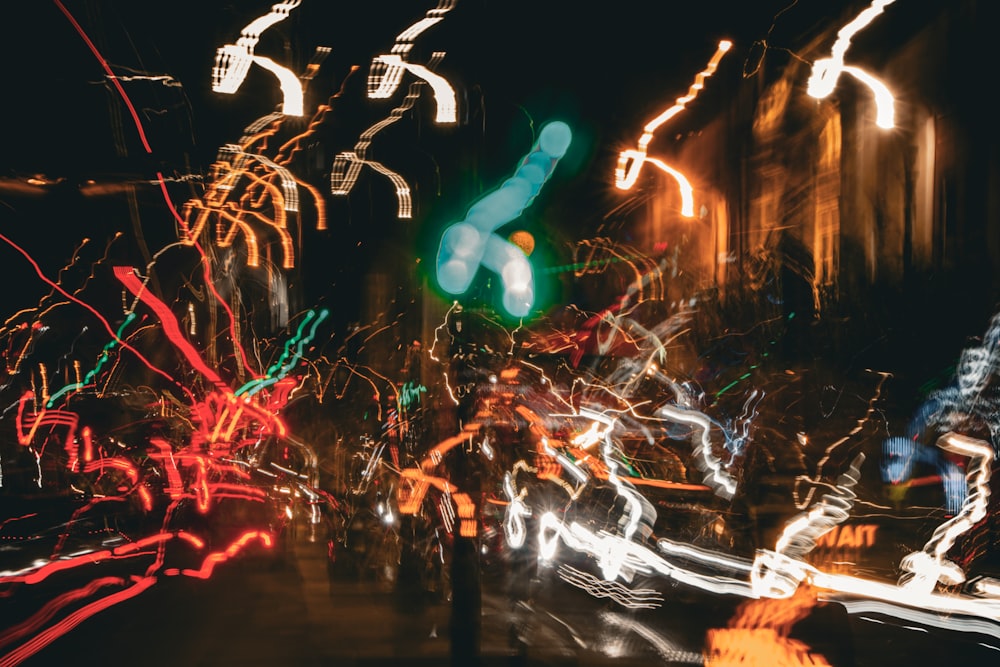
(630, 161)
(759, 635)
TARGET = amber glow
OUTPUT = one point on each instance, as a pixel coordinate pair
(416, 481)
(216, 203)
(759, 635)
(253, 201)
(251, 194)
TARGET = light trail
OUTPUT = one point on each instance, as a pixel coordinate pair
(801, 533)
(929, 567)
(385, 76)
(715, 476)
(347, 164)
(288, 359)
(630, 161)
(163, 189)
(826, 71)
(232, 61)
(926, 595)
(444, 94)
(92, 310)
(127, 276)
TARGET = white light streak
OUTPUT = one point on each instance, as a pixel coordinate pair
(444, 94)
(347, 165)
(232, 61)
(959, 624)
(927, 567)
(630, 598)
(800, 534)
(291, 86)
(721, 481)
(826, 71)
(666, 647)
(385, 75)
(514, 528)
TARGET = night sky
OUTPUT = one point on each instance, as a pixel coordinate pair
(611, 65)
(604, 69)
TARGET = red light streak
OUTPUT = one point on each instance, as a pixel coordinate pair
(53, 606)
(117, 463)
(47, 636)
(193, 540)
(175, 487)
(128, 277)
(157, 539)
(213, 559)
(110, 73)
(166, 196)
(44, 418)
(103, 321)
(43, 573)
(201, 491)
(88, 445)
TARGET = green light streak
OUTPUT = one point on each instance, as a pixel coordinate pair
(288, 359)
(410, 393)
(105, 355)
(736, 381)
(586, 265)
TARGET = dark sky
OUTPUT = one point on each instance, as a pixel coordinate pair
(612, 63)
(606, 69)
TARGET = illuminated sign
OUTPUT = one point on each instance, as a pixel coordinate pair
(855, 537)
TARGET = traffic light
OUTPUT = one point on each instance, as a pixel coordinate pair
(473, 242)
